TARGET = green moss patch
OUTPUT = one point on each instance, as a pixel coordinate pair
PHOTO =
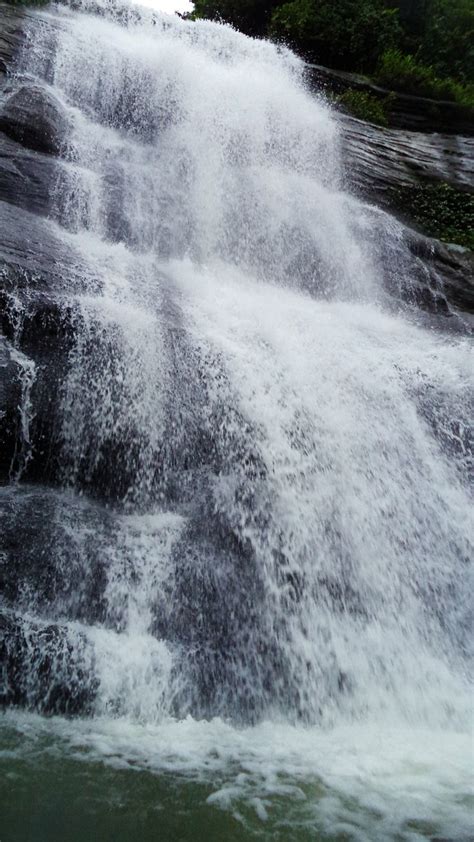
(365, 106)
(439, 210)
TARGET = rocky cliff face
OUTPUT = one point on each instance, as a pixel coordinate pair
(406, 112)
(35, 271)
(427, 146)
(39, 275)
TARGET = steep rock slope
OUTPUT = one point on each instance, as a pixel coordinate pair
(42, 274)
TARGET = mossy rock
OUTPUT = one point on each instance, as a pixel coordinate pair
(439, 210)
(366, 106)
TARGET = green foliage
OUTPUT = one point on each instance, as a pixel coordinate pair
(365, 106)
(404, 73)
(440, 210)
(251, 16)
(448, 40)
(347, 34)
(420, 43)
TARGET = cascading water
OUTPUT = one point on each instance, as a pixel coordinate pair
(279, 444)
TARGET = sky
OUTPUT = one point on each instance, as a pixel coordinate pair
(168, 5)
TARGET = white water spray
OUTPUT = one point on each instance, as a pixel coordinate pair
(288, 446)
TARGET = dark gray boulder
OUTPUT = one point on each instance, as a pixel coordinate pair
(10, 401)
(450, 270)
(35, 118)
(28, 178)
(45, 667)
(43, 570)
(436, 278)
(40, 276)
(12, 34)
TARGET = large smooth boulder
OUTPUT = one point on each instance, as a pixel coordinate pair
(12, 33)
(35, 118)
(27, 178)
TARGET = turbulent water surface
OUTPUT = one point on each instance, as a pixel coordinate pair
(251, 580)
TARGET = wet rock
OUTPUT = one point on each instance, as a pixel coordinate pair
(27, 178)
(34, 118)
(53, 548)
(45, 667)
(405, 111)
(450, 268)
(10, 399)
(35, 254)
(40, 276)
(12, 34)
(381, 164)
(379, 159)
(227, 645)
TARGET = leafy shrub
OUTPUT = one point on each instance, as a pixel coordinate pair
(404, 73)
(350, 34)
(251, 16)
(365, 106)
(427, 45)
(447, 41)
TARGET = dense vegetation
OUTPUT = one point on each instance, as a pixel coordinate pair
(405, 73)
(418, 46)
(364, 106)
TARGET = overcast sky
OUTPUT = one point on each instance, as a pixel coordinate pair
(168, 5)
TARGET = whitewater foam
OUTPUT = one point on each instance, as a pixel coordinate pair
(281, 443)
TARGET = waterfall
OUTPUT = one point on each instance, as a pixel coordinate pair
(262, 507)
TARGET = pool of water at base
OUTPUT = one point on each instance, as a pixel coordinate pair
(81, 781)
